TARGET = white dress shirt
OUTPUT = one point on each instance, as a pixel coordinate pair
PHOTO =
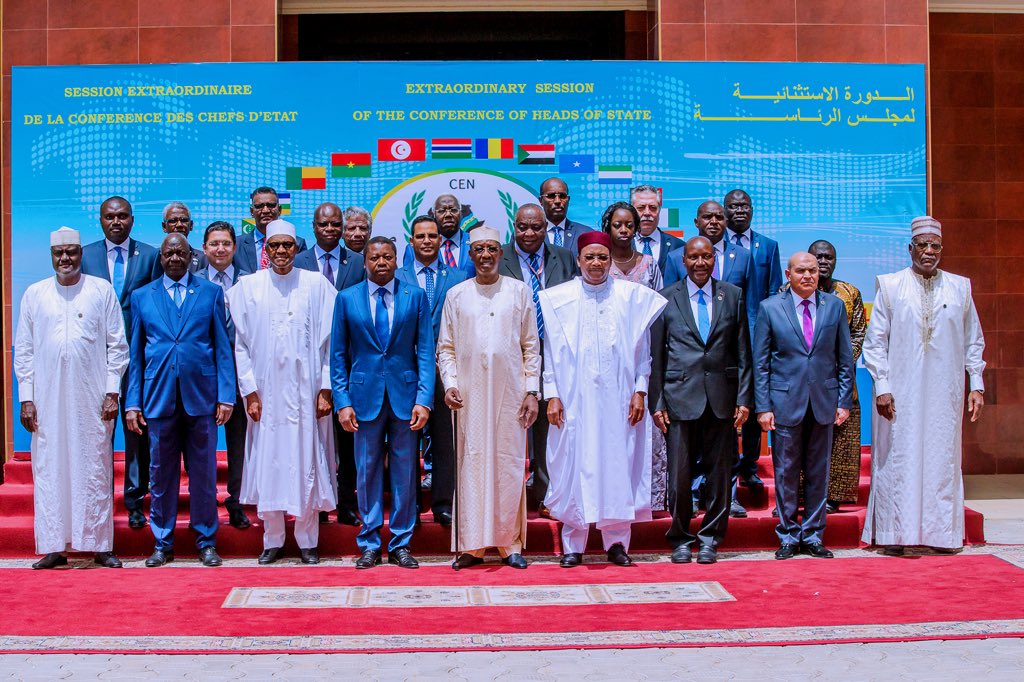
(524, 263)
(720, 257)
(335, 259)
(551, 233)
(799, 303)
(169, 286)
(744, 237)
(112, 255)
(456, 240)
(229, 275)
(389, 300)
(421, 276)
(655, 244)
(692, 288)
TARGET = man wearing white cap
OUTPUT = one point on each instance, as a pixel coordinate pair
(282, 317)
(924, 333)
(488, 354)
(69, 355)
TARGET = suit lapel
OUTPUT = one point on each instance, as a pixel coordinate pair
(442, 282)
(163, 302)
(363, 305)
(401, 304)
(190, 294)
(682, 301)
(552, 267)
(789, 310)
(132, 266)
(819, 320)
(249, 251)
(511, 257)
(728, 260)
(718, 296)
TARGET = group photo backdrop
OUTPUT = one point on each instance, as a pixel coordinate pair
(826, 151)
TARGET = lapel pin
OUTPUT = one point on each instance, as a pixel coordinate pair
(191, 291)
(732, 254)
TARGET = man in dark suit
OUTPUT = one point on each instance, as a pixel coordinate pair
(219, 250)
(561, 232)
(342, 268)
(454, 252)
(382, 377)
(128, 265)
(264, 208)
(803, 385)
(177, 218)
(700, 394)
(428, 273)
(767, 279)
(529, 258)
(182, 384)
(650, 239)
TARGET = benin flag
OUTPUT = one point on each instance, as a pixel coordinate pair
(305, 177)
(347, 165)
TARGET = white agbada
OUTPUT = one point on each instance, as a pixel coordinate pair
(597, 353)
(282, 350)
(69, 352)
(923, 335)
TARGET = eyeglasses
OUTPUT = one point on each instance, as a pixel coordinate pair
(325, 223)
(448, 209)
(266, 204)
(924, 246)
(600, 257)
(551, 196)
(280, 246)
(488, 249)
(178, 221)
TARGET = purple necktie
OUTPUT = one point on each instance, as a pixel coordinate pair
(808, 324)
(714, 270)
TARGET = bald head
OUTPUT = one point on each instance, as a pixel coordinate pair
(699, 259)
(697, 242)
(710, 221)
(530, 228)
(328, 224)
(175, 255)
(802, 273)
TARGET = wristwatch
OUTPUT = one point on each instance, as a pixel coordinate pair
(535, 394)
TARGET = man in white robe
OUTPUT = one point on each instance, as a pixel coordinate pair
(282, 317)
(924, 333)
(597, 362)
(69, 354)
(488, 354)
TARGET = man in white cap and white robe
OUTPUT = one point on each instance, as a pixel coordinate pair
(924, 336)
(282, 317)
(488, 354)
(69, 354)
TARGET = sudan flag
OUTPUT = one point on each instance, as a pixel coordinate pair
(306, 177)
(346, 165)
(536, 154)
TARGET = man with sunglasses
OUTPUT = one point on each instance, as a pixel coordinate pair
(923, 334)
(562, 232)
(264, 207)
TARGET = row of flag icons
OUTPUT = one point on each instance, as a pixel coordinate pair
(357, 164)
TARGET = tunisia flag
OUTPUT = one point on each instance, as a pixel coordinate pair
(401, 150)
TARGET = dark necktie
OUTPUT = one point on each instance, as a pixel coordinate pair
(328, 270)
(428, 276)
(380, 323)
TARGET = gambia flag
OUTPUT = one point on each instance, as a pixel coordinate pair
(350, 165)
(536, 154)
(614, 175)
(451, 148)
(305, 177)
(284, 200)
(493, 148)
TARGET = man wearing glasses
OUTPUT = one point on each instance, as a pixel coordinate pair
(264, 208)
(924, 332)
(554, 198)
(177, 218)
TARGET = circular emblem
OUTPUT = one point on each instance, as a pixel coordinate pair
(401, 150)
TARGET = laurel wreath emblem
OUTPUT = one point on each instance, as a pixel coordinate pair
(511, 208)
(412, 209)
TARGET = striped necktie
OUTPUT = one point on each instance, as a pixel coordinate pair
(449, 257)
(535, 283)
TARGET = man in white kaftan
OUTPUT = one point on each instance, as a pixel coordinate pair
(282, 317)
(597, 361)
(69, 354)
(924, 333)
(488, 354)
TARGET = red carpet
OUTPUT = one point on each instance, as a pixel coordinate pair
(752, 533)
(805, 601)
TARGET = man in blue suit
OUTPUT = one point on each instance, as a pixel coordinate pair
(342, 268)
(428, 273)
(767, 280)
(554, 199)
(382, 377)
(454, 251)
(649, 238)
(264, 207)
(128, 265)
(803, 385)
(182, 384)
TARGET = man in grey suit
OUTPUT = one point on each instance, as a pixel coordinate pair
(561, 232)
(177, 218)
(803, 385)
(700, 393)
(264, 207)
(649, 238)
(529, 258)
(342, 268)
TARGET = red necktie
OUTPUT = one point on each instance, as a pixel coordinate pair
(264, 259)
(449, 257)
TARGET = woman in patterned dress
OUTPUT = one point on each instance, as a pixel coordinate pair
(621, 221)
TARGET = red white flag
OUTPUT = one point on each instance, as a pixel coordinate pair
(401, 150)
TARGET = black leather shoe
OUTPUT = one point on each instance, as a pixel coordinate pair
(753, 482)
(444, 518)
(347, 517)
(682, 554)
(737, 511)
(707, 555)
(324, 517)
(238, 519)
(107, 560)
(51, 560)
(818, 550)
(571, 560)
(269, 556)
(309, 556)
(775, 512)
(209, 557)
(894, 550)
(786, 551)
(465, 561)
(159, 557)
(370, 558)
(831, 507)
(403, 558)
(617, 555)
(515, 560)
(136, 519)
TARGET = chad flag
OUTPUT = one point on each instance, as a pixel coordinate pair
(346, 165)
(306, 177)
(493, 148)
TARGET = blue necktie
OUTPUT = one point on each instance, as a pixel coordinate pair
(328, 270)
(737, 239)
(118, 280)
(535, 283)
(703, 320)
(380, 322)
(558, 237)
(647, 246)
(428, 274)
(178, 297)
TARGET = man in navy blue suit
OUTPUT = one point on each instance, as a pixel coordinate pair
(649, 238)
(182, 385)
(264, 207)
(382, 377)
(803, 385)
(428, 273)
(554, 199)
(128, 265)
(454, 251)
(342, 268)
(767, 279)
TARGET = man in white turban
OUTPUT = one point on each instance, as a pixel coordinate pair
(69, 355)
(924, 333)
